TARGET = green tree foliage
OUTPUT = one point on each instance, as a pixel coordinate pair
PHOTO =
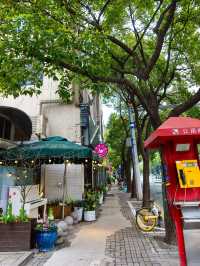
(140, 46)
(145, 49)
(115, 137)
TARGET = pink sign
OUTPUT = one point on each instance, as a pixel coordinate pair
(101, 149)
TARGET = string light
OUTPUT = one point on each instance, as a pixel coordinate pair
(32, 161)
(49, 160)
(86, 160)
(16, 161)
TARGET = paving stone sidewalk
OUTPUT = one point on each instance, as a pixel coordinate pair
(124, 247)
(130, 246)
(14, 258)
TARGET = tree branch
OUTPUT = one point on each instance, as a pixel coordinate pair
(160, 39)
(164, 73)
(88, 8)
(103, 10)
(120, 44)
(166, 85)
(148, 25)
(181, 108)
(137, 35)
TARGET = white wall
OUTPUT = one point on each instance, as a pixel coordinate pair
(31, 105)
(59, 119)
(63, 120)
(54, 181)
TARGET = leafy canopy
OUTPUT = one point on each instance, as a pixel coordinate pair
(115, 137)
(134, 46)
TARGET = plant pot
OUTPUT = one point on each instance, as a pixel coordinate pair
(89, 216)
(101, 199)
(15, 236)
(57, 211)
(79, 211)
(45, 240)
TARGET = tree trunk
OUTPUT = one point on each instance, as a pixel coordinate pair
(170, 235)
(133, 183)
(146, 185)
(123, 163)
(128, 170)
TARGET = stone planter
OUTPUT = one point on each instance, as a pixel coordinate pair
(79, 211)
(15, 236)
(101, 199)
(89, 216)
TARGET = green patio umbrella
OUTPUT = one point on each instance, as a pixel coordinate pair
(52, 149)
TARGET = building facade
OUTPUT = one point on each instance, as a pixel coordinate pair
(28, 118)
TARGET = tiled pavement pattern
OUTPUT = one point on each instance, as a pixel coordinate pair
(13, 258)
(129, 246)
(39, 259)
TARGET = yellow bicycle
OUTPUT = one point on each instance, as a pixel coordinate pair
(147, 220)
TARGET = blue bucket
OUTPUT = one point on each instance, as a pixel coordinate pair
(45, 240)
(125, 189)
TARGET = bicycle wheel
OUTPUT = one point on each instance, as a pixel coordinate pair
(146, 220)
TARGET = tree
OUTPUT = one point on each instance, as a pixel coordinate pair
(116, 137)
(136, 47)
(23, 181)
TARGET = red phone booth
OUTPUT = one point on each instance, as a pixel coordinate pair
(179, 140)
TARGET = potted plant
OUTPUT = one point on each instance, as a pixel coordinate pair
(46, 236)
(100, 191)
(56, 207)
(69, 205)
(78, 208)
(15, 231)
(90, 206)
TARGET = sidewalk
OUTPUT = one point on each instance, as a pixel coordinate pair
(113, 240)
(133, 247)
(14, 258)
(88, 248)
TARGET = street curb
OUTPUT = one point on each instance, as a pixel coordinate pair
(133, 210)
(26, 259)
(17, 258)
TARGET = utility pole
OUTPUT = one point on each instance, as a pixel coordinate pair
(134, 154)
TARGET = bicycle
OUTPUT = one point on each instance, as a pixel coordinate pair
(148, 218)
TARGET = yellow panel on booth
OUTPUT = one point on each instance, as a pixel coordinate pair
(188, 173)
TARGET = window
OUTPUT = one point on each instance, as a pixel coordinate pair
(5, 128)
(183, 147)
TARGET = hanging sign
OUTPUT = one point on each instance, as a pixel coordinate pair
(101, 149)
